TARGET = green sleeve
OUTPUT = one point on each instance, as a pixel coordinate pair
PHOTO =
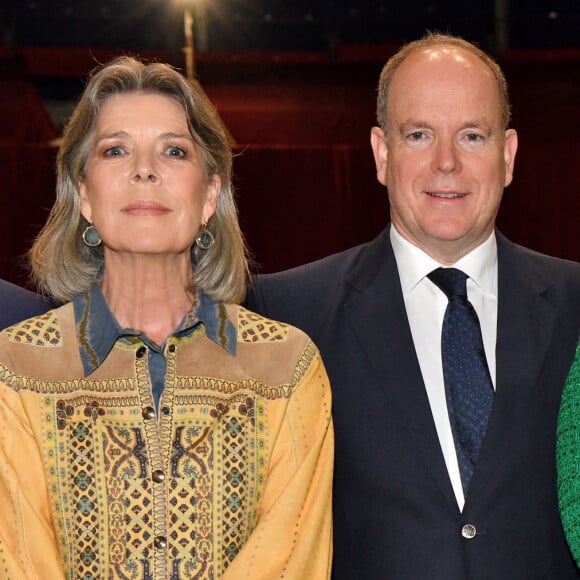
(568, 457)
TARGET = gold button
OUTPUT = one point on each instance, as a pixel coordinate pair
(468, 531)
(148, 413)
(160, 542)
(158, 476)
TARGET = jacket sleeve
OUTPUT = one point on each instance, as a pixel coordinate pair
(568, 452)
(293, 534)
(255, 299)
(28, 546)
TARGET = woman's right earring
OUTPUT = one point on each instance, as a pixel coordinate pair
(91, 237)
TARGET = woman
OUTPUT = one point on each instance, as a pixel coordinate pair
(150, 427)
(568, 458)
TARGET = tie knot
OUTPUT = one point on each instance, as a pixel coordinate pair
(451, 280)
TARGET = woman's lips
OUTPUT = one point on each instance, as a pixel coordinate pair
(146, 208)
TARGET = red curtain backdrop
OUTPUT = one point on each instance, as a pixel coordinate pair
(23, 118)
(301, 203)
(304, 173)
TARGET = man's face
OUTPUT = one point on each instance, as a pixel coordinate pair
(445, 159)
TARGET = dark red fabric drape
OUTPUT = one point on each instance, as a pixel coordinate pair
(306, 183)
(23, 118)
(301, 203)
(28, 177)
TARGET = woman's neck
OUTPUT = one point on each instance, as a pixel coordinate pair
(151, 294)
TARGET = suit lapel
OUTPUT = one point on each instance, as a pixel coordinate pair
(376, 313)
(525, 326)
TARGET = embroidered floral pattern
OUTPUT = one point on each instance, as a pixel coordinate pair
(63, 412)
(94, 410)
(108, 481)
(248, 409)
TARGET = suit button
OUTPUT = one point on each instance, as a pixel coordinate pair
(141, 352)
(468, 531)
(148, 413)
(166, 410)
(160, 542)
(171, 348)
(158, 476)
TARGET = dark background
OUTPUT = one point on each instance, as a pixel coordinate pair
(315, 25)
(294, 81)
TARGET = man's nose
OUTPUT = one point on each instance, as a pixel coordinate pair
(446, 157)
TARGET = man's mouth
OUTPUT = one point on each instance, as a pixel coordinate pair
(446, 195)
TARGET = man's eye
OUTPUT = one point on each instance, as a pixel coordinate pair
(417, 135)
(473, 137)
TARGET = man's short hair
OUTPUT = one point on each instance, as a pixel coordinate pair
(432, 40)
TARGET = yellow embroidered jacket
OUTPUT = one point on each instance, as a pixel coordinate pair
(229, 477)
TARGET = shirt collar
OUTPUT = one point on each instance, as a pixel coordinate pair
(98, 330)
(414, 264)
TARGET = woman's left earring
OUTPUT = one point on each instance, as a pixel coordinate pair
(91, 237)
(205, 239)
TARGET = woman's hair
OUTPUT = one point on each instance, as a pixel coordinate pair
(62, 265)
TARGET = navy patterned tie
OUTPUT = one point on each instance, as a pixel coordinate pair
(468, 387)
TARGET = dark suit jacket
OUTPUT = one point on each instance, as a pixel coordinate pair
(395, 513)
(17, 303)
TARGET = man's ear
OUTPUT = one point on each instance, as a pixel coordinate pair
(379, 147)
(509, 154)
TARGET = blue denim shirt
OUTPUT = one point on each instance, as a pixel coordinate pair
(98, 330)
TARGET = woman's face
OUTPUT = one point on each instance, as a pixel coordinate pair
(145, 188)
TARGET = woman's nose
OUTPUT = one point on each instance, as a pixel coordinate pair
(145, 169)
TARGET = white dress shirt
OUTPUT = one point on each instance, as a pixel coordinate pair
(426, 303)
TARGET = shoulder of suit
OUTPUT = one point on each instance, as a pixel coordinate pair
(567, 269)
(544, 262)
(319, 271)
(12, 292)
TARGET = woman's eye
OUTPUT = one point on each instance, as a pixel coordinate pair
(114, 151)
(176, 152)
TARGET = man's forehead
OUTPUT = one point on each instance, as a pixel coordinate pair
(441, 55)
(438, 53)
(444, 83)
(440, 66)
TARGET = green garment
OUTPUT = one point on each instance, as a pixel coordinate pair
(568, 458)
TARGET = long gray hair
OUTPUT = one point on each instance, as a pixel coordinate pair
(62, 265)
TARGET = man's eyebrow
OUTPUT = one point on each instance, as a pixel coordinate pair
(412, 125)
(480, 125)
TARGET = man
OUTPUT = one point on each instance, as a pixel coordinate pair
(16, 304)
(410, 502)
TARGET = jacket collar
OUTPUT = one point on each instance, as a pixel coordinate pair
(98, 330)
